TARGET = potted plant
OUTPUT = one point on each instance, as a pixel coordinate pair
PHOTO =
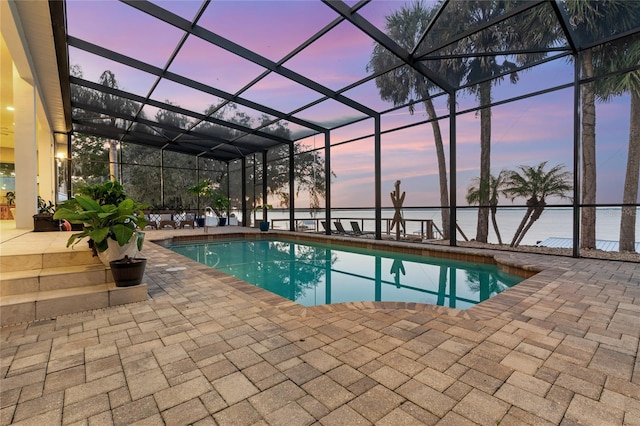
(128, 271)
(204, 188)
(44, 220)
(220, 206)
(264, 224)
(112, 221)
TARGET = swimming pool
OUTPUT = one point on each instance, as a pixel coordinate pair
(316, 274)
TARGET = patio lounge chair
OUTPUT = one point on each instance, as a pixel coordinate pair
(189, 220)
(166, 221)
(324, 226)
(358, 231)
(340, 228)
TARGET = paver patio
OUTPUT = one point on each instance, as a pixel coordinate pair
(559, 348)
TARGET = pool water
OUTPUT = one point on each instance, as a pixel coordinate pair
(316, 274)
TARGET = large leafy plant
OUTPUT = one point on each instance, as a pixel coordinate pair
(103, 221)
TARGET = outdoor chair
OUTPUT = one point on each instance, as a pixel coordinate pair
(358, 231)
(340, 228)
(151, 223)
(188, 220)
(324, 226)
(166, 221)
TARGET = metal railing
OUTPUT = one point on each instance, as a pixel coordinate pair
(424, 229)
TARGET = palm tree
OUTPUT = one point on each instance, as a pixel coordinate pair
(521, 32)
(626, 53)
(589, 20)
(406, 26)
(535, 184)
(496, 187)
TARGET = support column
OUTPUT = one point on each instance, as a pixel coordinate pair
(26, 157)
(46, 161)
(453, 201)
(577, 187)
(292, 188)
(377, 154)
(264, 185)
(327, 181)
(243, 191)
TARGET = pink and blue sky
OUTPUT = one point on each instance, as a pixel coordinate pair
(525, 132)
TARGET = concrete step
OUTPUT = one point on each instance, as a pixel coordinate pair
(40, 305)
(51, 259)
(46, 279)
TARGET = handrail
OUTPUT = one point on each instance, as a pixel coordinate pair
(426, 228)
(461, 233)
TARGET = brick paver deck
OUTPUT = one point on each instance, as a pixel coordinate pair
(205, 349)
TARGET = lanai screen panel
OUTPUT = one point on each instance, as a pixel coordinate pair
(287, 61)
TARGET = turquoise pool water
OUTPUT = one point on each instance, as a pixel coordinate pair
(315, 274)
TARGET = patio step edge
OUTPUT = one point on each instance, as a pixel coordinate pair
(34, 280)
(52, 259)
(39, 305)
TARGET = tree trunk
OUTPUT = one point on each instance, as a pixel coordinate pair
(113, 160)
(482, 229)
(524, 231)
(537, 212)
(521, 226)
(442, 167)
(630, 195)
(494, 221)
(531, 202)
(588, 214)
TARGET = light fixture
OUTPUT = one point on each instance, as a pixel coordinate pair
(10, 108)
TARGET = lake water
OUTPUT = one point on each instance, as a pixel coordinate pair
(554, 222)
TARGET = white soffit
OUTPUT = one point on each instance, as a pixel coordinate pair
(35, 18)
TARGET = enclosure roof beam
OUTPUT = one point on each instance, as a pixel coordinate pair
(228, 45)
(386, 42)
(134, 63)
(176, 109)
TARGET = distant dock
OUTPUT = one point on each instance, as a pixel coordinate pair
(604, 245)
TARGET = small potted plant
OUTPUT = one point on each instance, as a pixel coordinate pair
(220, 206)
(264, 224)
(204, 188)
(44, 220)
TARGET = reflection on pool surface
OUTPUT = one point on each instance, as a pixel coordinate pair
(316, 274)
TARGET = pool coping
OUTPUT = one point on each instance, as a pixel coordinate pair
(537, 270)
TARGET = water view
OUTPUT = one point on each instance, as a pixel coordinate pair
(554, 222)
